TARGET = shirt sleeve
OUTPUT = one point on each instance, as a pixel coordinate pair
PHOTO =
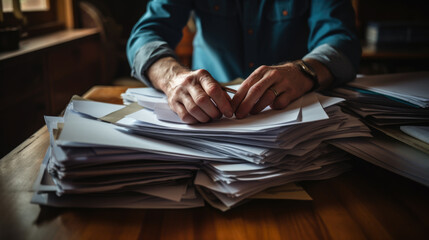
(156, 34)
(146, 56)
(337, 63)
(333, 38)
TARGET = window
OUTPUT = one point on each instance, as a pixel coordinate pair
(42, 16)
(27, 5)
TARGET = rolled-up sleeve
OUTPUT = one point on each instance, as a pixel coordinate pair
(156, 34)
(333, 38)
(146, 56)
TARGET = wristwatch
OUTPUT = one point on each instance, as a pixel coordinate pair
(308, 71)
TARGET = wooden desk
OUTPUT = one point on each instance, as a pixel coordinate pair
(365, 203)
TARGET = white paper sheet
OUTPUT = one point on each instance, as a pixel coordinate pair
(87, 131)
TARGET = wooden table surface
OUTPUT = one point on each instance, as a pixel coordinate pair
(364, 203)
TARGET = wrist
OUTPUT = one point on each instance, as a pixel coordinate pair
(308, 71)
(324, 75)
(162, 72)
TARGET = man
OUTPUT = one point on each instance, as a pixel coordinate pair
(258, 40)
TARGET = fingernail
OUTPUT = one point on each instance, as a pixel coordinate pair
(229, 114)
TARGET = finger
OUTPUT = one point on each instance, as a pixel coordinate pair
(227, 96)
(183, 113)
(285, 98)
(217, 94)
(254, 94)
(244, 88)
(202, 100)
(267, 98)
(282, 101)
(194, 109)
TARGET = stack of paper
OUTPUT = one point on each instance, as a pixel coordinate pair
(127, 154)
(389, 99)
(409, 87)
(396, 106)
(90, 173)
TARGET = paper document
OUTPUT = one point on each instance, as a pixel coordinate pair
(109, 155)
(410, 87)
(419, 132)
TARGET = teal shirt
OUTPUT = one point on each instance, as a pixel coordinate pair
(234, 37)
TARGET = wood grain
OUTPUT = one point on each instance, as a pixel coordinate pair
(365, 203)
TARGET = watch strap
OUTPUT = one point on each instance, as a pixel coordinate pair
(309, 72)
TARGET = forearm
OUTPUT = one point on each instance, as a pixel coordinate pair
(161, 72)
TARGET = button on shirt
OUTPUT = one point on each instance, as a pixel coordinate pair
(233, 38)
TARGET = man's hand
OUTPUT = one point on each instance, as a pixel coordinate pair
(194, 95)
(275, 86)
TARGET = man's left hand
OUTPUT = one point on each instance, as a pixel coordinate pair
(274, 86)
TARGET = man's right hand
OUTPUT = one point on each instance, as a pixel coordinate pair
(194, 95)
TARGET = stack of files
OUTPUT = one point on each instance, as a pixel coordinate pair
(396, 107)
(390, 154)
(90, 174)
(389, 99)
(126, 151)
(408, 87)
